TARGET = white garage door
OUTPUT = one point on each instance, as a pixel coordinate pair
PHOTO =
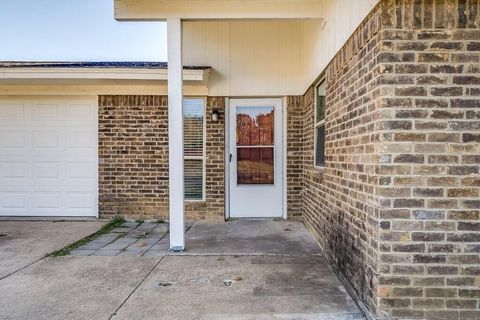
(48, 157)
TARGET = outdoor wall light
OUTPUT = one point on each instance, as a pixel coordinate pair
(215, 115)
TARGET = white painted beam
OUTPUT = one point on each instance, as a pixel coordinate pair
(126, 10)
(175, 135)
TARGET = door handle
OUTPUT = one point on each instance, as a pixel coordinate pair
(230, 157)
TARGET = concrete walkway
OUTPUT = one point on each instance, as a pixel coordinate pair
(235, 270)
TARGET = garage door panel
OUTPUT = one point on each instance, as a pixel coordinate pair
(77, 112)
(48, 158)
(46, 172)
(43, 201)
(80, 200)
(13, 113)
(48, 113)
(45, 142)
(81, 172)
(14, 201)
(80, 140)
(14, 142)
(14, 172)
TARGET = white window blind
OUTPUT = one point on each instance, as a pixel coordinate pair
(194, 128)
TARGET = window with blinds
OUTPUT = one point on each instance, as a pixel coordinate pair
(194, 147)
(319, 158)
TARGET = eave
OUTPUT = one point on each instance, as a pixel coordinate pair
(98, 74)
(159, 10)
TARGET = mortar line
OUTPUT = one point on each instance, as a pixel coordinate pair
(135, 289)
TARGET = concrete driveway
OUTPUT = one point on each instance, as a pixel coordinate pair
(241, 275)
(25, 242)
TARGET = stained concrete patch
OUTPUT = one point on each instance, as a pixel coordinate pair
(72, 287)
(253, 237)
(28, 241)
(260, 288)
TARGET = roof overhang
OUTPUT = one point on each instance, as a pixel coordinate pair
(98, 74)
(158, 10)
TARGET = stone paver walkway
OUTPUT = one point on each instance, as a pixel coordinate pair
(131, 239)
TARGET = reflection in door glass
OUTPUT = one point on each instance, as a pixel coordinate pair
(255, 126)
(255, 165)
(255, 145)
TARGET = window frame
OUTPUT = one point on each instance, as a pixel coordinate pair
(317, 124)
(203, 157)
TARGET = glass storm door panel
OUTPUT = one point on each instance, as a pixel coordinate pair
(255, 158)
(255, 145)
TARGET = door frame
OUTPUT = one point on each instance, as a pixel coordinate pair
(283, 173)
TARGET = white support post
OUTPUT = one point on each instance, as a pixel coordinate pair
(175, 135)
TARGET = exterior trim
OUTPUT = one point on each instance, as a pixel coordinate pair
(284, 159)
(99, 74)
(227, 159)
(316, 123)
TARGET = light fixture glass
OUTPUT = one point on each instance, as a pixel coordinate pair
(215, 115)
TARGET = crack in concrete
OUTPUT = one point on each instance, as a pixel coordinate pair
(22, 268)
(135, 289)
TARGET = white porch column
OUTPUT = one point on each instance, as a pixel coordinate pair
(175, 134)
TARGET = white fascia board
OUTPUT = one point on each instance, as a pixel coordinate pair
(160, 10)
(99, 73)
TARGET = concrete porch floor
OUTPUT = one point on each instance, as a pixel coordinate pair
(235, 270)
(239, 237)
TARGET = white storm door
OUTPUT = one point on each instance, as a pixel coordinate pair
(256, 187)
(48, 157)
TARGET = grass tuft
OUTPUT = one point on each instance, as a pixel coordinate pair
(114, 223)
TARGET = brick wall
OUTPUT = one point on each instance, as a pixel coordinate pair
(429, 160)
(133, 156)
(338, 200)
(397, 206)
(295, 115)
(133, 159)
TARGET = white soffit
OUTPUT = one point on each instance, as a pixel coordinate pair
(126, 10)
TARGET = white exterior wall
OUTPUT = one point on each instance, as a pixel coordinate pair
(323, 39)
(249, 58)
(270, 57)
